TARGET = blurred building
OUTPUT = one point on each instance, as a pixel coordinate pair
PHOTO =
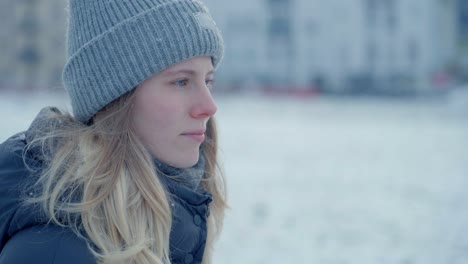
(32, 37)
(334, 45)
(337, 45)
(462, 70)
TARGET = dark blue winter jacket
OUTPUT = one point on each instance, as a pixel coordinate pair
(27, 237)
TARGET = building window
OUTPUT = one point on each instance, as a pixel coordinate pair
(390, 7)
(413, 51)
(279, 27)
(279, 5)
(371, 11)
(371, 53)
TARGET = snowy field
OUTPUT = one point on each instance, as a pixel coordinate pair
(331, 181)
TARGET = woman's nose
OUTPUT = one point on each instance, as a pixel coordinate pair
(204, 104)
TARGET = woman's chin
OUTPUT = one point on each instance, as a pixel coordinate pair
(183, 162)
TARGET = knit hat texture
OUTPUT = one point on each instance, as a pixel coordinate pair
(113, 45)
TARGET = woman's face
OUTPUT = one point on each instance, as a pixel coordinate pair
(171, 110)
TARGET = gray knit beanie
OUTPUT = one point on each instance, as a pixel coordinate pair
(113, 45)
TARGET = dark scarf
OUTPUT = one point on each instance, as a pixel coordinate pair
(189, 177)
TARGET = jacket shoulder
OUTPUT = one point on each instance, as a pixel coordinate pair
(46, 244)
(11, 153)
(14, 174)
(24, 235)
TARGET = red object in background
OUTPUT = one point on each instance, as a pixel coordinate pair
(441, 80)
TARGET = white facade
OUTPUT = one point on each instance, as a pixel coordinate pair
(389, 40)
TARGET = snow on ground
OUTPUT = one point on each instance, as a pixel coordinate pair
(331, 180)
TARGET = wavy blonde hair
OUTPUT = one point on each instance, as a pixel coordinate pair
(102, 180)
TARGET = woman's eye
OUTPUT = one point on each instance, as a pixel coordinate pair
(209, 83)
(181, 83)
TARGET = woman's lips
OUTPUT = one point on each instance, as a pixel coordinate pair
(198, 136)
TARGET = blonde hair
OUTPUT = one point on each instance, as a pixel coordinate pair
(102, 180)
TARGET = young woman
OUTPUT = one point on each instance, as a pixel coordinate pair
(132, 176)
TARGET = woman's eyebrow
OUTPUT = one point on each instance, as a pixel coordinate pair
(186, 71)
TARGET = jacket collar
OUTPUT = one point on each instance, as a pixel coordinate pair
(185, 183)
